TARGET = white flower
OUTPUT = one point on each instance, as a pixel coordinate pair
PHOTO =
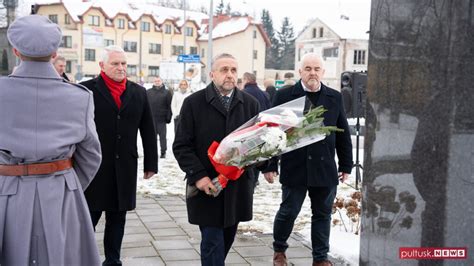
(290, 118)
(274, 140)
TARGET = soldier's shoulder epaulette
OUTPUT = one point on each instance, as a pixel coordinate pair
(77, 85)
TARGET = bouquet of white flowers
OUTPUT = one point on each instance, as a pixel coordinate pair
(273, 132)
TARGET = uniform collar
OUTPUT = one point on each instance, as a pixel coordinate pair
(30, 69)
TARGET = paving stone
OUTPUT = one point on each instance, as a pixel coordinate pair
(161, 225)
(135, 229)
(136, 244)
(254, 251)
(175, 208)
(183, 237)
(171, 244)
(137, 238)
(175, 202)
(247, 241)
(178, 214)
(234, 258)
(148, 206)
(150, 261)
(138, 252)
(184, 254)
(184, 263)
(298, 252)
(132, 216)
(156, 218)
(154, 211)
(168, 232)
(261, 261)
(133, 223)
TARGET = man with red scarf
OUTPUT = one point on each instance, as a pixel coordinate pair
(121, 109)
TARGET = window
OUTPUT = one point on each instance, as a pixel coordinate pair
(331, 52)
(203, 52)
(108, 42)
(167, 28)
(193, 50)
(67, 19)
(188, 31)
(94, 20)
(359, 57)
(130, 46)
(68, 66)
(121, 23)
(153, 71)
(145, 26)
(321, 32)
(90, 55)
(177, 49)
(53, 18)
(154, 48)
(131, 70)
(315, 33)
(254, 34)
(254, 54)
(66, 42)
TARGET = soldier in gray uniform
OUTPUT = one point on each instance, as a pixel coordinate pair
(49, 153)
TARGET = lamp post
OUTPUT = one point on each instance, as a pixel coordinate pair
(209, 40)
(184, 37)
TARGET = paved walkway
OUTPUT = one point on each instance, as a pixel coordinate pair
(158, 233)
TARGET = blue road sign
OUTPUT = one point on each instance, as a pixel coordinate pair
(189, 58)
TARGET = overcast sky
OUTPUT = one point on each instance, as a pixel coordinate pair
(299, 11)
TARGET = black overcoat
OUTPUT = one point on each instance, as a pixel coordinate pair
(114, 186)
(314, 165)
(204, 120)
(160, 102)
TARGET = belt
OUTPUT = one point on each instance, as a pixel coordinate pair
(35, 168)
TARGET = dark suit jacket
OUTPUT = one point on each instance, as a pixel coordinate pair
(203, 119)
(160, 102)
(262, 97)
(314, 165)
(114, 186)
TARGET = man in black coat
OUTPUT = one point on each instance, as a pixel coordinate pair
(249, 80)
(121, 109)
(206, 116)
(160, 101)
(312, 168)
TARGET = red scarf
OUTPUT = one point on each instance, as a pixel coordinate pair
(115, 88)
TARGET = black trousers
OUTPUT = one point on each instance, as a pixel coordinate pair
(161, 131)
(215, 244)
(113, 234)
(322, 199)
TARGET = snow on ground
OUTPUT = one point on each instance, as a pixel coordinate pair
(267, 198)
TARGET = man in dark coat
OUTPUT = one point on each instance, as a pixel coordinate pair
(206, 116)
(121, 109)
(249, 81)
(160, 101)
(312, 168)
(269, 85)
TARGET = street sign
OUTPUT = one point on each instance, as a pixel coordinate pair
(279, 83)
(189, 58)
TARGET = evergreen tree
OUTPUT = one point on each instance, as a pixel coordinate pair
(228, 9)
(220, 8)
(272, 53)
(204, 10)
(286, 37)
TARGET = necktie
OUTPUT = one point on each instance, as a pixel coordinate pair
(226, 101)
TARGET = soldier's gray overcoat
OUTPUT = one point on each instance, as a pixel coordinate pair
(44, 219)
